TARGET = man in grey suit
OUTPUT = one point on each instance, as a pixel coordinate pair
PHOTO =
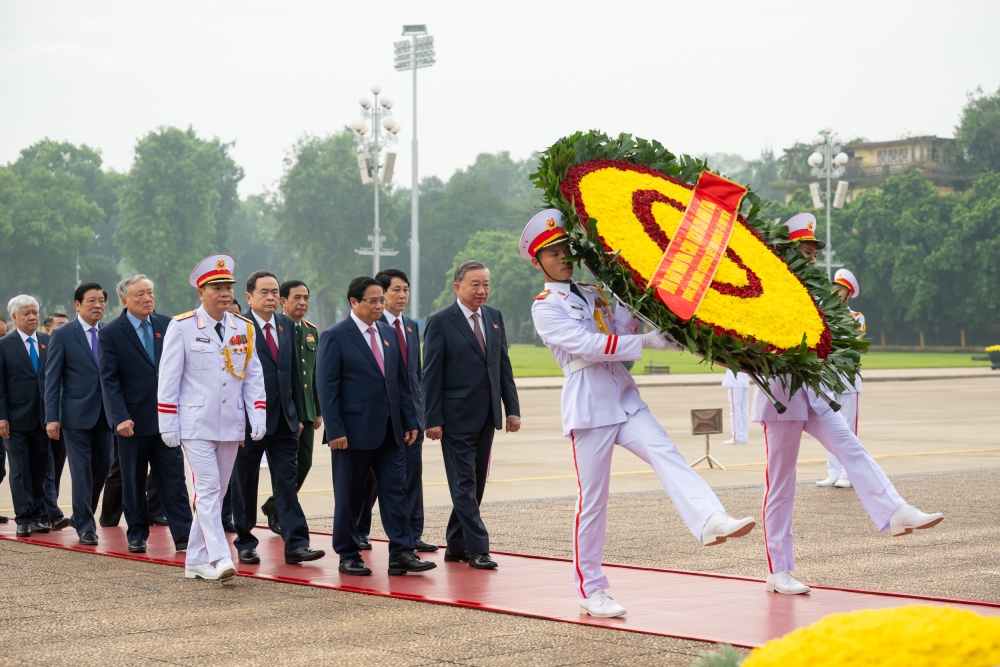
(74, 406)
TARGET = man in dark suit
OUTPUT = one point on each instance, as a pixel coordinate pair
(22, 416)
(397, 294)
(467, 374)
(131, 347)
(275, 344)
(365, 398)
(74, 407)
(57, 451)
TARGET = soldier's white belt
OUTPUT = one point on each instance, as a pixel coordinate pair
(577, 365)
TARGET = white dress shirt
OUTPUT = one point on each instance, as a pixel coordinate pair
(274, 327)
(472, 323)
(34, 337)
(363, 328)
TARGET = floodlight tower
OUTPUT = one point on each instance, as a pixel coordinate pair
(414, 54)
(370, 162)
(827, 165)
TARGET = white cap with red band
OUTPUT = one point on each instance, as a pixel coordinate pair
(846, 278)
(545, 228)
(213, 269)
(802, 227)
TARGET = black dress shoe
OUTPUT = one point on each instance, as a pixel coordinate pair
(24, 531)
(303, 554)
(365, 543)
(61, 522)
(137, 547)
(407, 562)
(462, 556)
(420, 545)
(41, 527)
(182, 545)
(229, 526)
(249, 556)
(159, 520)
(272, 520)
(483, 562)
(354, 566)
(4, 519)
(89, 539)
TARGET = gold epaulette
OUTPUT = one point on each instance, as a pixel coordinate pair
(184, 316)
(543, 295)
(241, 317)
(310, 324)
(585, 284)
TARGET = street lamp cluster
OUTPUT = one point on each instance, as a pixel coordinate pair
(828, 162)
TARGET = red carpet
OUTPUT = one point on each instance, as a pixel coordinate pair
(690, 605)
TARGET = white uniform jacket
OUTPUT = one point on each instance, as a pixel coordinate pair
(736, 380)
(197, 393)
(603, 393)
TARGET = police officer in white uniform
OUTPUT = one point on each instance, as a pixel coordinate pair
(601, 407)
(738, 387)
(847, 288)
(806, 411)
(210, 377)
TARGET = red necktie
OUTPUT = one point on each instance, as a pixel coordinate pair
(375, 349)
(402, 342)
(270, 341)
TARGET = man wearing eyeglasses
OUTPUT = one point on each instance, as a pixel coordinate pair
(74, 406)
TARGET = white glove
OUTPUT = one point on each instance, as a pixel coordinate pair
(655, 339)
(258, 431)
(171, 439)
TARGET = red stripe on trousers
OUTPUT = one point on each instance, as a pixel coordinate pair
(576, 520)
(767, 489)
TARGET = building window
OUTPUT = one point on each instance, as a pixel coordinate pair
(894, 156)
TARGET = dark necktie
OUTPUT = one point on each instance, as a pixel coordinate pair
(93, 343)
(271, 344)
(33, 353)
(376, 350)
(218, 330)
(402, 342)
(479, 332)
(147, 340)
(576, 290)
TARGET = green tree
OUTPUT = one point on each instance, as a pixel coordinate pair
(255, 241)
(177, 206)
(978, 131)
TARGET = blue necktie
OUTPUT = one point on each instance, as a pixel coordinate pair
(147, 340)
(33, 353)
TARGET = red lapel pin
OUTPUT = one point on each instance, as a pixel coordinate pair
(281, 328)
(386, 343)
(409, 329)
(42, 346)
(496, 326)
(158, 335)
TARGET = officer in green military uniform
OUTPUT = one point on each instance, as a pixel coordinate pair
(295, 304)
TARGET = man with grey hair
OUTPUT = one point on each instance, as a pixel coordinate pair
(22, 415)
(467, 375)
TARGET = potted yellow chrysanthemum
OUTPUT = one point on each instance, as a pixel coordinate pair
(993, 353)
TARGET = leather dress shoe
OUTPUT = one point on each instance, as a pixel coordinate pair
(159, 520)
(41, 527)
(182, 545)
(24, 530)
(272, 520)
(89, 539)
(483, 562)
(462, 556)
(228, 526)
(354, 566)
(303, 554)
(365, 544)
(4, 519)
(249, 557)
(408, 562)
(62, 522)
(137, 547)
(420, 545)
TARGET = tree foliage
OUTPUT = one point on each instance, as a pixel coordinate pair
(978, 131)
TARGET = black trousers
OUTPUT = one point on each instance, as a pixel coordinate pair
(466, 461)
(350, 469)
(305, 461)
(89, 454)
(136, 455)
(111, 503)
(28, 456)
(53, 475)
(414, 492)
(282, 449)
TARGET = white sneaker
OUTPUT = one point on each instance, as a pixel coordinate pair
(721, 526)
(784, 582)
(843, 484)
(908, 518)
(601, 605)
(829, 481)
(200, 571)
(225, 569)
(733, 441)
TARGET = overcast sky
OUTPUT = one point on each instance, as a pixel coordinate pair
(515, 75)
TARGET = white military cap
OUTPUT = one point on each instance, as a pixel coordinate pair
(802, 227)
(545, 228)
(846, 278)
(213, 269)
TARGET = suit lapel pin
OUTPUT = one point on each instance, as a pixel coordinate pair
(386, 343)
(158, 335)
(409, 330)
(281, 328)
(496, 326)
(42, 346)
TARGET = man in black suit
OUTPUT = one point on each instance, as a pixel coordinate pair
(467, 374)
(74, 407)
(57, 451)
(365, 400)
(131, 347)
(397, 294)
(275, 344)
(22, 416)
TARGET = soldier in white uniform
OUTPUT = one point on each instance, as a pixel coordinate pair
(210, 377)
(808, 412)
(601, 407)
(847, 287)
(738, 387)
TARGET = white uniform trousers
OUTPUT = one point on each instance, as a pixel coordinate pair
(849, 411)
(211, 465)
(592, 449)
(739, 412)
(781, 443)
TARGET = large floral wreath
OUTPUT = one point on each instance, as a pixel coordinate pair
(767, 311)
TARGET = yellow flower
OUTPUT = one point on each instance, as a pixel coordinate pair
(911, 636)
(993, 348)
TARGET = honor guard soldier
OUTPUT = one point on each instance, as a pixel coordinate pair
(738, 387)
(601, 407)
(847, 287)
(809, 412)
(210, 377)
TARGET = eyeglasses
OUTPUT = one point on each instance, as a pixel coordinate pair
(375, 300)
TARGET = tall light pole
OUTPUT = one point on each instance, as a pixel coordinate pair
(829, 166)
(413, 55)
(370, 160)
